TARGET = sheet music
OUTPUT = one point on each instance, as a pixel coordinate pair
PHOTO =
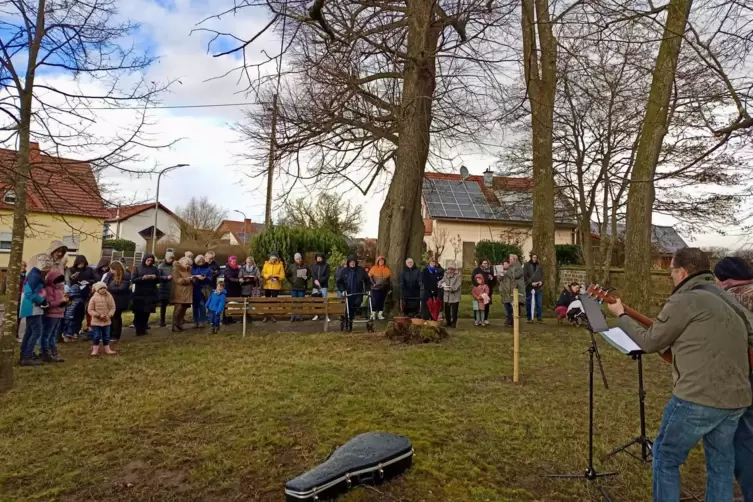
(621, 341)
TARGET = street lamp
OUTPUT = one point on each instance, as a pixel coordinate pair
(156, 202)
(245, 227)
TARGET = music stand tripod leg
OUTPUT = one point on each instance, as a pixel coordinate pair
(646, 444)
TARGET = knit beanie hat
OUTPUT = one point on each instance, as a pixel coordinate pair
(734, 268)
(298, 256)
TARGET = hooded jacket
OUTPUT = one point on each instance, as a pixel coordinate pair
(516, 275)
(121, 293)
(353, 280)
(479, 289)
(709, 342)
(76, 275)
(99, 270)
(33, 299)
(273, 270)
(55, 291)
(145, 292)
(410, 283)
(320, 272)
(58, 264)
(216, 302)
(166, 288)
(101, 307)
(182, 285)
(380, 275)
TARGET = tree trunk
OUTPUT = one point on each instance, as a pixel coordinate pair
(10, 322)
(401, 226)
(21, 176)
(585, 244)
(541, 83)
(641, 195)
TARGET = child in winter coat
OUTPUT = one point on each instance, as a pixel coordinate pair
(216, 305)
(74, 313)
(53, 316)
(480, 299)
(101, 308)
(33, 303)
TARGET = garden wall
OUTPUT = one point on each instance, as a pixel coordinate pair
(661, 282)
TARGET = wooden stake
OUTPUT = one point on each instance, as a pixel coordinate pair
(515, 335)
(245, 307)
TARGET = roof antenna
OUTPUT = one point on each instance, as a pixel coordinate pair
(464, 173)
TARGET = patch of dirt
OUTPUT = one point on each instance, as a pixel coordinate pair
(138, 474)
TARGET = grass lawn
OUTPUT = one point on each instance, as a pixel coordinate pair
(218, 418)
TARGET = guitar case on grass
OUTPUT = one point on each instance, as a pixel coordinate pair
(370, 458)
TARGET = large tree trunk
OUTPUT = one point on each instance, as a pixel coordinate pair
(10, 322)
(20, 178)
(401, 227)
(541, 83)
(641, 195)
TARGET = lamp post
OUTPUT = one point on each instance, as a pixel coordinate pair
(156, 202)
(245, 226)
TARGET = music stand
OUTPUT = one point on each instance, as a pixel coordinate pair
(647, 446)
(595, 322)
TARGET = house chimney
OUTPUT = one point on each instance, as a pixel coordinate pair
(34, 153)
(488, 178)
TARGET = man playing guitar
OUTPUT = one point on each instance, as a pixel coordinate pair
(710, 372)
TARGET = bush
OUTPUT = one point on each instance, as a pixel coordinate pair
(568, 254)
(119, 244)
(288, 241)
(496, 252)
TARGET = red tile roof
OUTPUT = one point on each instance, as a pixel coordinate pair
(124, 212)
(56, 185)
(238, 227)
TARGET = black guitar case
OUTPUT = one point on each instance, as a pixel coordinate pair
(370, 458)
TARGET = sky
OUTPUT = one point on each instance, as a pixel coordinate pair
(205, 136)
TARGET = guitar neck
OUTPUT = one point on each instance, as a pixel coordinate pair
(637, 316)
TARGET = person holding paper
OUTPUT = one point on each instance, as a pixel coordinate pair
(735, 276)
(480, 295)
(710, 371)
(298, 274)
(533, 274)
(451, 284)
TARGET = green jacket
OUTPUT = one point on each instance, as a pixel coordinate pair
(512, 279)
(709, 342)
(298, 283)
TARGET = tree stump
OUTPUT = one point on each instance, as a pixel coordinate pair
(414, 334)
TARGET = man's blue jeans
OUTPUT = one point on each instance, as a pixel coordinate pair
(534, 299)
(296, 294)
(683, 425)
(744, 453)
(50, 331)
(32, 334)
(199, 308)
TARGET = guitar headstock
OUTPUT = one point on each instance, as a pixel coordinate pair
(598, 293)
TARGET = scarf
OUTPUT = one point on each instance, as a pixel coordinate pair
(252, 270)
(433, 270)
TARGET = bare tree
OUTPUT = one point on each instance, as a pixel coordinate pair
(376, 89)
(200, 219)
(81, 41)
(328, 212)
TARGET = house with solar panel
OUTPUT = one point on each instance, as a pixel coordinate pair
(458, 213)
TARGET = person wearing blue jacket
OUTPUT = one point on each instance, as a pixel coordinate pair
(203, 281)
(33, 304)
(216, 306)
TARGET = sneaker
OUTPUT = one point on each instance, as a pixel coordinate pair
(316, 318)
(381, 316)
(486, 323)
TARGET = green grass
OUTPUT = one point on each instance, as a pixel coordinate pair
(218, 418)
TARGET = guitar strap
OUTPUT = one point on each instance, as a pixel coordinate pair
(729, 300)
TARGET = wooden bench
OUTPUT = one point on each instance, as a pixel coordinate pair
(285, 306)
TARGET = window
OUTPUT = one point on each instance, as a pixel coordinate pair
(10, 197)
(242, 237)
(5, 240)
(72, 243)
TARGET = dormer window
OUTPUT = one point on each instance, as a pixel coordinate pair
(9, 197)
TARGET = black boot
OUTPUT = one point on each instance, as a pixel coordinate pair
(55, 357)
(30, 362)
(46, 357)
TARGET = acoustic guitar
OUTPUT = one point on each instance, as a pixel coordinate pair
(598, 293)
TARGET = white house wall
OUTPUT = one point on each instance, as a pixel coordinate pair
(130, 227)
(448, 232)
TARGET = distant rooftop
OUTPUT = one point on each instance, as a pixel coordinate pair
(666, 239)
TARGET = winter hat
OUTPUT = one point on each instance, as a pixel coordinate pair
(169, 254)
(41, 261)
(298, 256)
(734, 268)
(189, 254)
(98, 285)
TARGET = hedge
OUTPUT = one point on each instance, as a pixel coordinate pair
(119, 244)
(496, 252)
(288, 241)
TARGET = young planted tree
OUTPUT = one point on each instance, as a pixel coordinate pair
(58, 61)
